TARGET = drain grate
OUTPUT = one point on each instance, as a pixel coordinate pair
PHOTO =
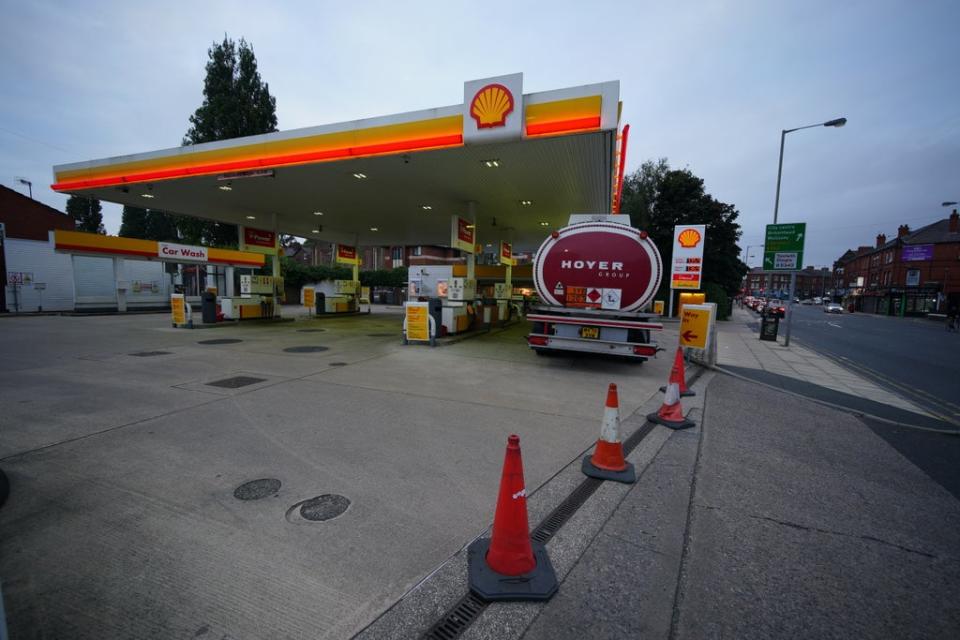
(310, 330)
(235, 382)
(256, 489)
(338, 364)
(631, 443)
(220, 341)
(149, 354)
(305, 349)
(550, 525)
(458, 618)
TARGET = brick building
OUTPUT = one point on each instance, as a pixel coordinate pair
(25, 219)
(914, 273)
(811, 282)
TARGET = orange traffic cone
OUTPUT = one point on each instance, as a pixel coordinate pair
(671, 413)
(607, 462)
(679, 375)
(509, 566)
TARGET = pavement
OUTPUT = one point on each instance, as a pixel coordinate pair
(741, 349)
(774, 518)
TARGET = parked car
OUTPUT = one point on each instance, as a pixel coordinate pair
(776, 309)
(818, 300)
(806, 301)
(832, 307)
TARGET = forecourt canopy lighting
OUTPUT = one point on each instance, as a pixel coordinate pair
(523, 159)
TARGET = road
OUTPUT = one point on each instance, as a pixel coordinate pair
(912, 356)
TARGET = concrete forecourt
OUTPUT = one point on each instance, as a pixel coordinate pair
(127, 471)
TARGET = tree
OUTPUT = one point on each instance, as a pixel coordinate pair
(236, 103)
(87, 213)
(133, 222)
(148, 224)
(658, 198)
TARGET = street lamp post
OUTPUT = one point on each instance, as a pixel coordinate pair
(29, 185)
(836, 122)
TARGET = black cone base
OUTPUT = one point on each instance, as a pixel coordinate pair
(670, 424)
(683, 394)
(540, 584)
(628, 475)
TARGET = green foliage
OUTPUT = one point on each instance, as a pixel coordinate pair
(384, 278)
(658, 198)
(715, 293)
(87, 213)
(236, 103)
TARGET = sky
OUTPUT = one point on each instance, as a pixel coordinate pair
(707, 85)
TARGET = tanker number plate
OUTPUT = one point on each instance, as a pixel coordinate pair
(590, 332)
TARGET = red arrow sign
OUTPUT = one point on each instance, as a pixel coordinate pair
(689, 336)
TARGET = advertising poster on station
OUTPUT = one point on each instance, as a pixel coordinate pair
(687, 267)
(506, 253)
(462, 234)
(347, 254)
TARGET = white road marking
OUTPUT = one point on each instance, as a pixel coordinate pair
(835, 325)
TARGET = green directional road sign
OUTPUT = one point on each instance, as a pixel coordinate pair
(783, 247)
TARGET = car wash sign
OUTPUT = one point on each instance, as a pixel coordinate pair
(181, 252)
(598, 265)
(783, 246)
(687, 269)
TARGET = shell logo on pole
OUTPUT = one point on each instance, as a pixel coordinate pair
(689, 238)
(491, 105)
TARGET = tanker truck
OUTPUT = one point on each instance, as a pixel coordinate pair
(594, 277)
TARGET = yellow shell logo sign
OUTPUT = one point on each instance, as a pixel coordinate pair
(689, 238)
(491, 106)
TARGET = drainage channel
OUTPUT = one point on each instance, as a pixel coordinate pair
(467, 609)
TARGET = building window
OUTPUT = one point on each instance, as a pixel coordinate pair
(417, 251)
(397, 253)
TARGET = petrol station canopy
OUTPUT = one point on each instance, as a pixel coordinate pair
(525, 161)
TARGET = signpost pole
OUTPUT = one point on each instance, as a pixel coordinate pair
(793, 288)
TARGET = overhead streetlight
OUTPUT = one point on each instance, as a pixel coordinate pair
(947, 204)
(29, 185)
(836, 122)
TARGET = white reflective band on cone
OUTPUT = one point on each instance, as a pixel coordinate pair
(673, 394)
(610, 427)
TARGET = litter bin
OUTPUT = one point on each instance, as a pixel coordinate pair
(769, 325)
(321, 299)
(208, 307)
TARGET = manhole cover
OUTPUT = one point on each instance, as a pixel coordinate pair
(381, 335)
(338, 364)
(220, 341)
(307, 349)
(310, 330)
(147, 354)
(235, 382)
(256, 489)
(321, 508)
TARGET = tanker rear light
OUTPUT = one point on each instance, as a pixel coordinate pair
(644, 350)
(540, 341)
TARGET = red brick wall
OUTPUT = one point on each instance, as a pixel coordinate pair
(29, 219)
